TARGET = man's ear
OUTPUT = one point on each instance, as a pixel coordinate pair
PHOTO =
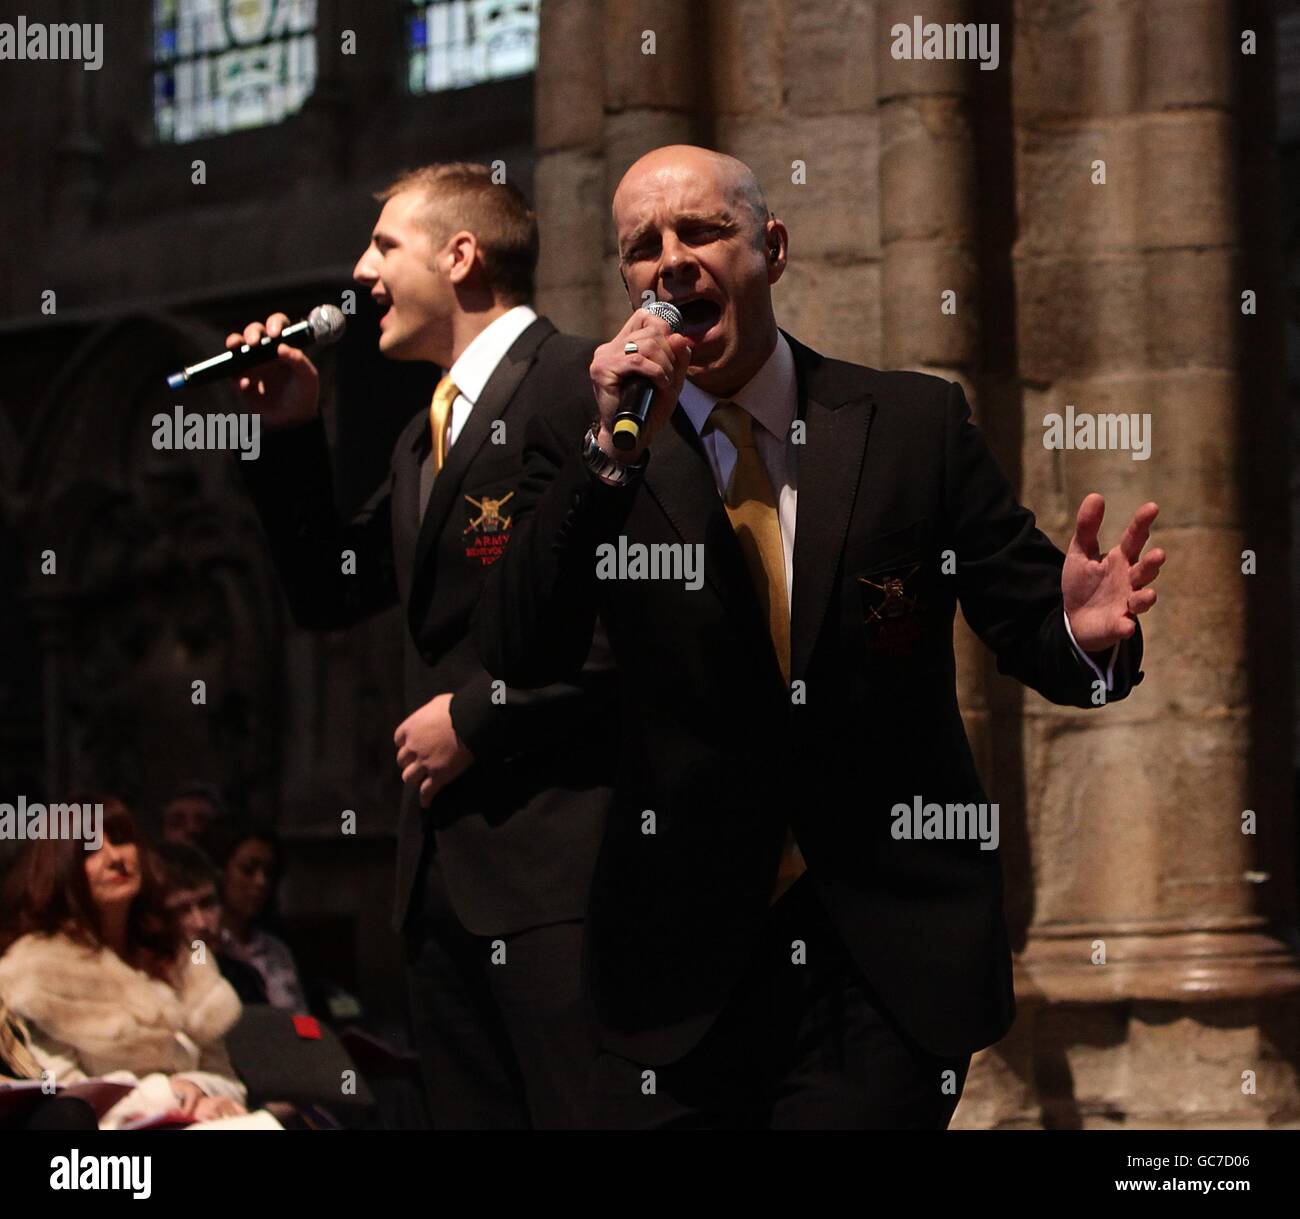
(776, 248)
(459, 255)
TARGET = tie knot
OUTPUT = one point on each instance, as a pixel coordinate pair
(445, 394)
(440, 418)
(734, 422)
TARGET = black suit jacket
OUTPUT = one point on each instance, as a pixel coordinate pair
(517, 834)
(891, 476)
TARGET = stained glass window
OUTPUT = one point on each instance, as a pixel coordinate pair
(224, 65)
(454, 43)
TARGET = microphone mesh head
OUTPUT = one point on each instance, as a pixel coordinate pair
(327, 323)
(669, 312)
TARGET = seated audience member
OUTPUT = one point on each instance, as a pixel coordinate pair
(193, 901)
(250, 860)
(17, 1064)
(93, 966)
(194, 815)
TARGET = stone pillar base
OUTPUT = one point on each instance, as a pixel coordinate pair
(1180, 1028)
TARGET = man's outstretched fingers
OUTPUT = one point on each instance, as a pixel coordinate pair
(1140, 602)
(1138, 532)
(1148, 568)
(1087, 524)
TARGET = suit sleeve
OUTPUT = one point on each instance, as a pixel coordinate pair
(500, 724)
(1009, 576)
(292, 487)
(538, 613)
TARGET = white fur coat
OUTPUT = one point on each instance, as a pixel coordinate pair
(89, 1014)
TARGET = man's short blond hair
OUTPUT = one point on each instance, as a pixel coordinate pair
(463, 195)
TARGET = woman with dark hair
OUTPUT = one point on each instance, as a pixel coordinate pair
(91, 962)
(251, 860)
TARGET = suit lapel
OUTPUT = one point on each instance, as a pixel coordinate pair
(411, 448)
(494, 399)
(830, 467)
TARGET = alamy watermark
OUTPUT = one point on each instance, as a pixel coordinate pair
(39, 40)
(1083, 430)
(651, 561)
(956, 40)
(132, 1174)
(23, 822)
(920, 822)
(180, 430)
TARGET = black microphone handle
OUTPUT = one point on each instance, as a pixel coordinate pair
(236, 362)
(635, 399)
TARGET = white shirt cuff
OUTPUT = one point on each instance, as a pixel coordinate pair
(1108, 678)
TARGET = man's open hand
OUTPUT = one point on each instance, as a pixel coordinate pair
(1104, 592)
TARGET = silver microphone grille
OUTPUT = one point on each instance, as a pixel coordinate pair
(327, 323)
(669, 312)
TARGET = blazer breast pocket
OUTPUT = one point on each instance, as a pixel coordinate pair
(895, 590)
(486, 517)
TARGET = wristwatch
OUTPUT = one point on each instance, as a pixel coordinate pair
(612, 473)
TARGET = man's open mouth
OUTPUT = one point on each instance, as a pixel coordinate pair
(699, 315)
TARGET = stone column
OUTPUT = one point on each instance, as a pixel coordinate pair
(322, 149)
(80, 153)
(794, 97)
(655, 64)
(1153, 955)
(933, 305)
(614, 80)
(929, 258)
(569, 179)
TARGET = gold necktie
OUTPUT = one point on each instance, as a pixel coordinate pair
(751, 508)
(439, 414)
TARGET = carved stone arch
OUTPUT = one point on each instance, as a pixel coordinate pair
(114, 382)
(161, 579)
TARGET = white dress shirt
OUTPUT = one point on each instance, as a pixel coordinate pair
(471, 372)
(479, 361)
(772, 399)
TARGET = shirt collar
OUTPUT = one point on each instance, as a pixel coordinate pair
(479, 360)
(771, 396)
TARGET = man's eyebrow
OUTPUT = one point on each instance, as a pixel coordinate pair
(720, 217)
(379, 235)
(723, 217)
(636, 234)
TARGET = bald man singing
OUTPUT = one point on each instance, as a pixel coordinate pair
(796, 919)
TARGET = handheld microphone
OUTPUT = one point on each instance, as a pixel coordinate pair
(324, 325)
(637, 393)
